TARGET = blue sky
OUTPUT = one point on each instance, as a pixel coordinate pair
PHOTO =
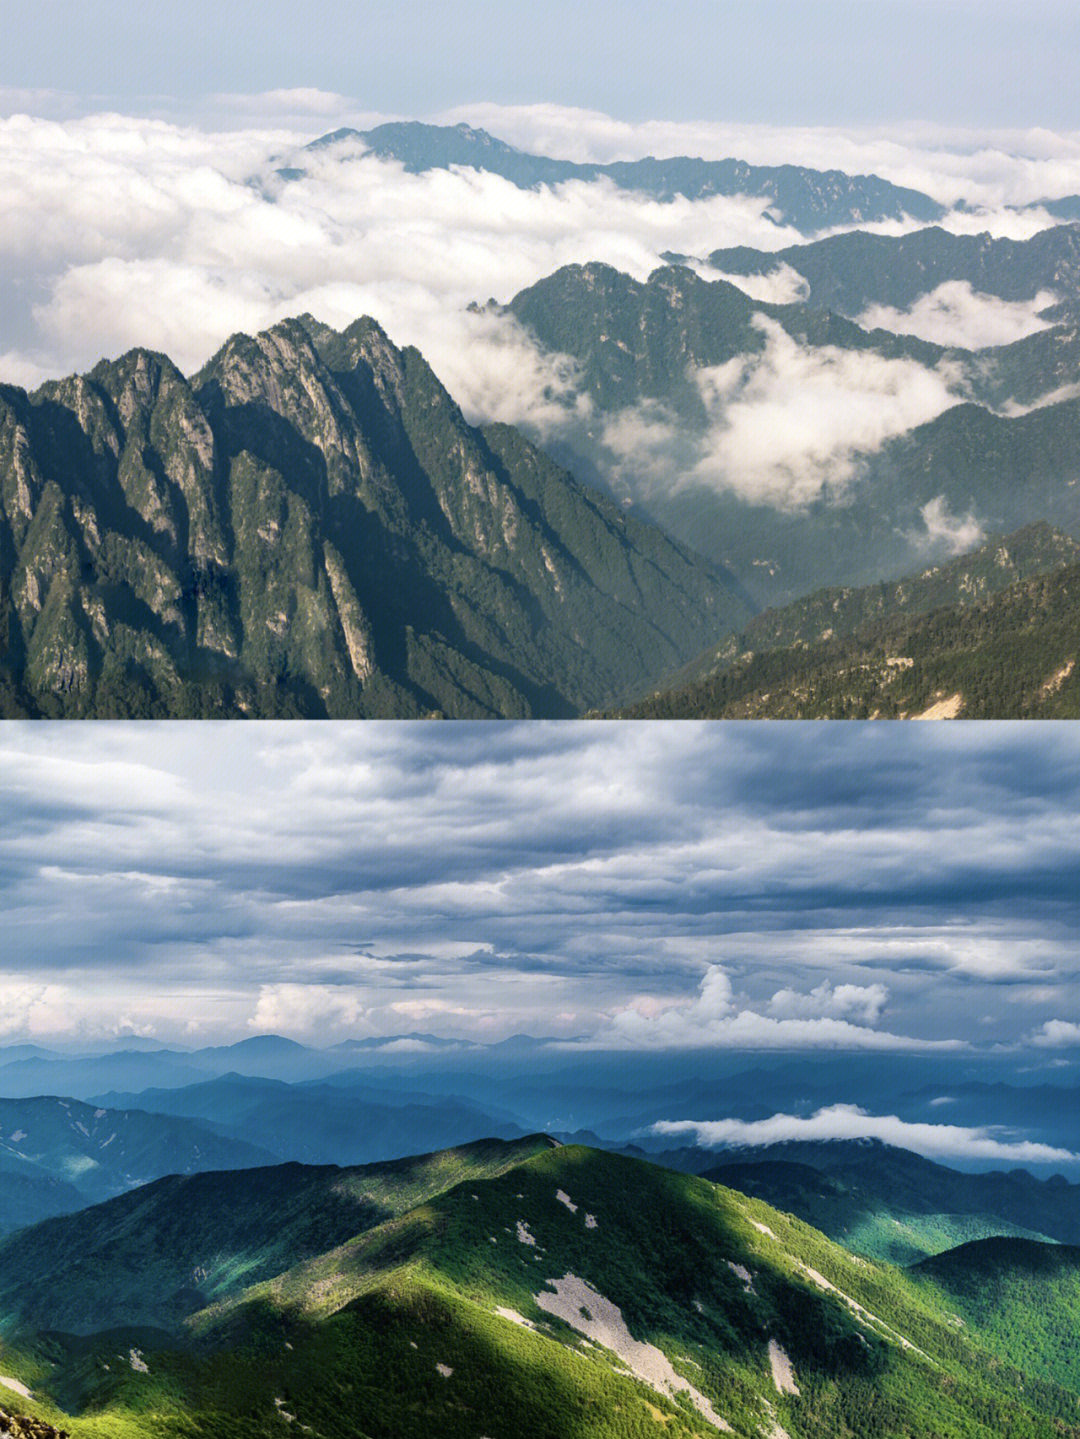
(775, 61)
(812, 886)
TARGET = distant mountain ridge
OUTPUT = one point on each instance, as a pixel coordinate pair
(642, 349)
(57, 1155)
(848, 273)
(806, 199)
(888, 1203)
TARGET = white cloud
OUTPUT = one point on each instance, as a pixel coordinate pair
(309, 1011)
(786, 425)
(863, 1003)
(848, 1121)
(956, 534)
(955, 314)
(30, 1009)
(1056, 1033)
(781, 285)
(826, 1018)
(120, 231)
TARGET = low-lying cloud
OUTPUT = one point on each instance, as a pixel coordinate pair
(955, 534)
(120, 231)
(785, 426)
(848, 1121)
(956, 315)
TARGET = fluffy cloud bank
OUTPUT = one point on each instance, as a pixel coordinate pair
(848, 1121)
(827, 1017)
(784, 426)
(1057, 1034)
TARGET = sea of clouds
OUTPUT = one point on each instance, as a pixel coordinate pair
(172, 231)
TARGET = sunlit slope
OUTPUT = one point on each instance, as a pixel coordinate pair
(580, 1249)
(156, 1255)
(901, 1208)
(575, 1295)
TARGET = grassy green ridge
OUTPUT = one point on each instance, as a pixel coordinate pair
(395, 1333)
(1012, 656)
(904, 1211)
(157, 1254)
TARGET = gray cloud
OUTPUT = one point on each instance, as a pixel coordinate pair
(863, 888)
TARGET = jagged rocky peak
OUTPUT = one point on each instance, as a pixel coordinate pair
(310, 526)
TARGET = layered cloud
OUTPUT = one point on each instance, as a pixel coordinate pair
(834, 889)
(120, 231)
(848, 1121)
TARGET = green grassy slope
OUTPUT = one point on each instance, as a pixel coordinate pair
(161, 1252)
(892, 1205)
(644, 1301)
(1021, 1298)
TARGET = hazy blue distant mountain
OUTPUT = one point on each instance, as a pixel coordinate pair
(808, 200)
(319, 1123)
(59, 1154)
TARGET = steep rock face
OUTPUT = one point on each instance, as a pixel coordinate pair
(311, 527)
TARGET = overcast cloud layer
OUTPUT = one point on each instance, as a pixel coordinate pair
(623, 885)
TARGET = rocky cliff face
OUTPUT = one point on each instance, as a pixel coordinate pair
(310, 527)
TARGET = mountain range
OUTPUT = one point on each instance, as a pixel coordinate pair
(643, 353)
(517, 1289)
(310, 527)
(806, 199)
(887, 1203)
